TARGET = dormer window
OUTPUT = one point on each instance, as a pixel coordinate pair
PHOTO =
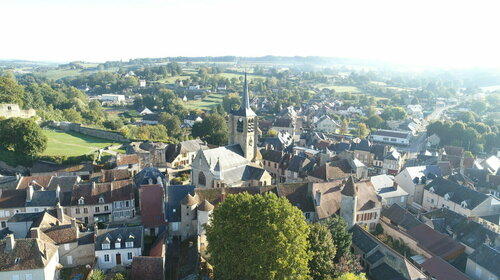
(17, 260)
(81, 201)
(463, 204)
(431, 189)
(447, 196)
(105, 246)
(118, 245)
(101, 199)
(129, 244)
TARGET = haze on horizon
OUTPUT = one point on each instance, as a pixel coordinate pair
(432, 33)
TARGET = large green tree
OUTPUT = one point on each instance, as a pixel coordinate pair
(23, 136)
(322, 252)
(258, 237)
(212, 129)
(341, 236)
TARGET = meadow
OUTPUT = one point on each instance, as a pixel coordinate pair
(72, 143)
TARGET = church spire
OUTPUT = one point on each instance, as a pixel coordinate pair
(245, 103)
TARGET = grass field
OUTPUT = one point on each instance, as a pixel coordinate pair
(72, 144)
(205, 104)
(59, 73)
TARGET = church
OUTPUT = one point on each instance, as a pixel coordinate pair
(238, 163)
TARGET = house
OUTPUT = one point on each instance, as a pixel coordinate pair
(175, 194)
(298, 168)
(439, 269)
(483, 264)
(279, 142)
(28, 258)
(11, 202)
(270, 162)
(118, 246)
(190, 120)
(13, 111)
(113, 98)
(391, 137)
(413, 180)
(21, 224)
(393, 163)
(183, 154)
(388, 191)
(151, 119)
(356, 202)
(128, 162)
(142, 83)
(330, 171)
(144, 111)
(443, 193)
(415, 111)
(379, 260)
(284, 125)
(327, 124)
(152, 207)
(75, 248)
(466, 231)
(38, 200)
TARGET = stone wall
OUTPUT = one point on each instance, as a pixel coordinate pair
(95, 132)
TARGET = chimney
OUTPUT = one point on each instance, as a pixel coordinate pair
(35, 232)
(93, 186)
(74, 225)
(60, 213)
(10, 243)
(150, 181)
(159, 181)
(395, 185)
(29, 195)
(58, 192)
(318, 198)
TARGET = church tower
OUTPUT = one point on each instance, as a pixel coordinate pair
(243, 124)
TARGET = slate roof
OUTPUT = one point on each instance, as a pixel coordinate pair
(43, 198)
(144, 267)
(378, 151)
(385, 272)
(392, 133)
(282, 122)
(173, 150)
(64, 182)
(152, 205)
(297, 163)
(232, 155)
(399, 216)
(8, 182)
(468, 232)
(142, 178)
(363, 145)
(350, 188)
(374, 257)
(125, 233)
(91, 192)
(439, 244)
(297, 194)
(12, 198)
(487, 257)
(457, 193)
(331, 171)
(175, 195)
(271, 155)
(441, 270)
(30, 253)
(362, 240)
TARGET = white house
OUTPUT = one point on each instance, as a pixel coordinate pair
(391, 137)
(413, 180)
(115, 98)
(327, 124)
(118, 246)
(28, 259)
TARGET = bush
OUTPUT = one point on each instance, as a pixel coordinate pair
(379, 229)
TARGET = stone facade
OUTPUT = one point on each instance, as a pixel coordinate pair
(13, 111)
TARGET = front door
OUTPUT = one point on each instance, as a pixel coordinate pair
(118, 259)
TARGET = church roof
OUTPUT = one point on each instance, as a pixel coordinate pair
(245, 110)
(231, 155)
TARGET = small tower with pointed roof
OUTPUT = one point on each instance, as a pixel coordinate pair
(243, 124)
(218, 175)
(188, 216)
(348, 204)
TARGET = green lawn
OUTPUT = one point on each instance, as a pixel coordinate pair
(341, 89)
(72, 143)
(59, 73)
(205, 104)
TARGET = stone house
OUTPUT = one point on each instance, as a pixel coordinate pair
(413, 180)
(11, 202)
(128, 162)
(327, 125)
(13, 111)
(29, 258)
(389, 191)
(118, 246)
(483, 263)
(183, 154)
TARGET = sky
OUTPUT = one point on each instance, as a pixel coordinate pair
(446, 33)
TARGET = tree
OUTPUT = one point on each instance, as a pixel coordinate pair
(375, 121)
(322, 252)
(115, 124)
(23, 136)
(341, 237)
(172, 123)
(212, 129)
(344, 129)
(231, 102)
(272, 133)
(97, 274)
(258, 237)
(362, 130)
(119, 276)
(348, 263)
(352, 276)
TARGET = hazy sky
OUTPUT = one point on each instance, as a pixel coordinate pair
(436, 32)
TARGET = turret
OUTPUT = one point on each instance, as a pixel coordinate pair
(348, 205)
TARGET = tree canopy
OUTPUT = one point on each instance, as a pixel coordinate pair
(322, 252)
(258, 237)
(212, 129)
(23, 136)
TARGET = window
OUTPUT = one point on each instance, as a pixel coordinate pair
(81, 201)
(4, 224)
(308, 215)
(402, 199)
(201, 179)
(106, 258)
(118, 245)
(69, 260)
(129, 244)
(105, 246)
(77, 211)
(97, 209)
(129, 255)
(106, 208)
(85, 210)
(127, 203)
(66, 247)
(36, 209)
(101, 199)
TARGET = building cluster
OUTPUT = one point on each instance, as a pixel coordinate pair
(429, 214)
